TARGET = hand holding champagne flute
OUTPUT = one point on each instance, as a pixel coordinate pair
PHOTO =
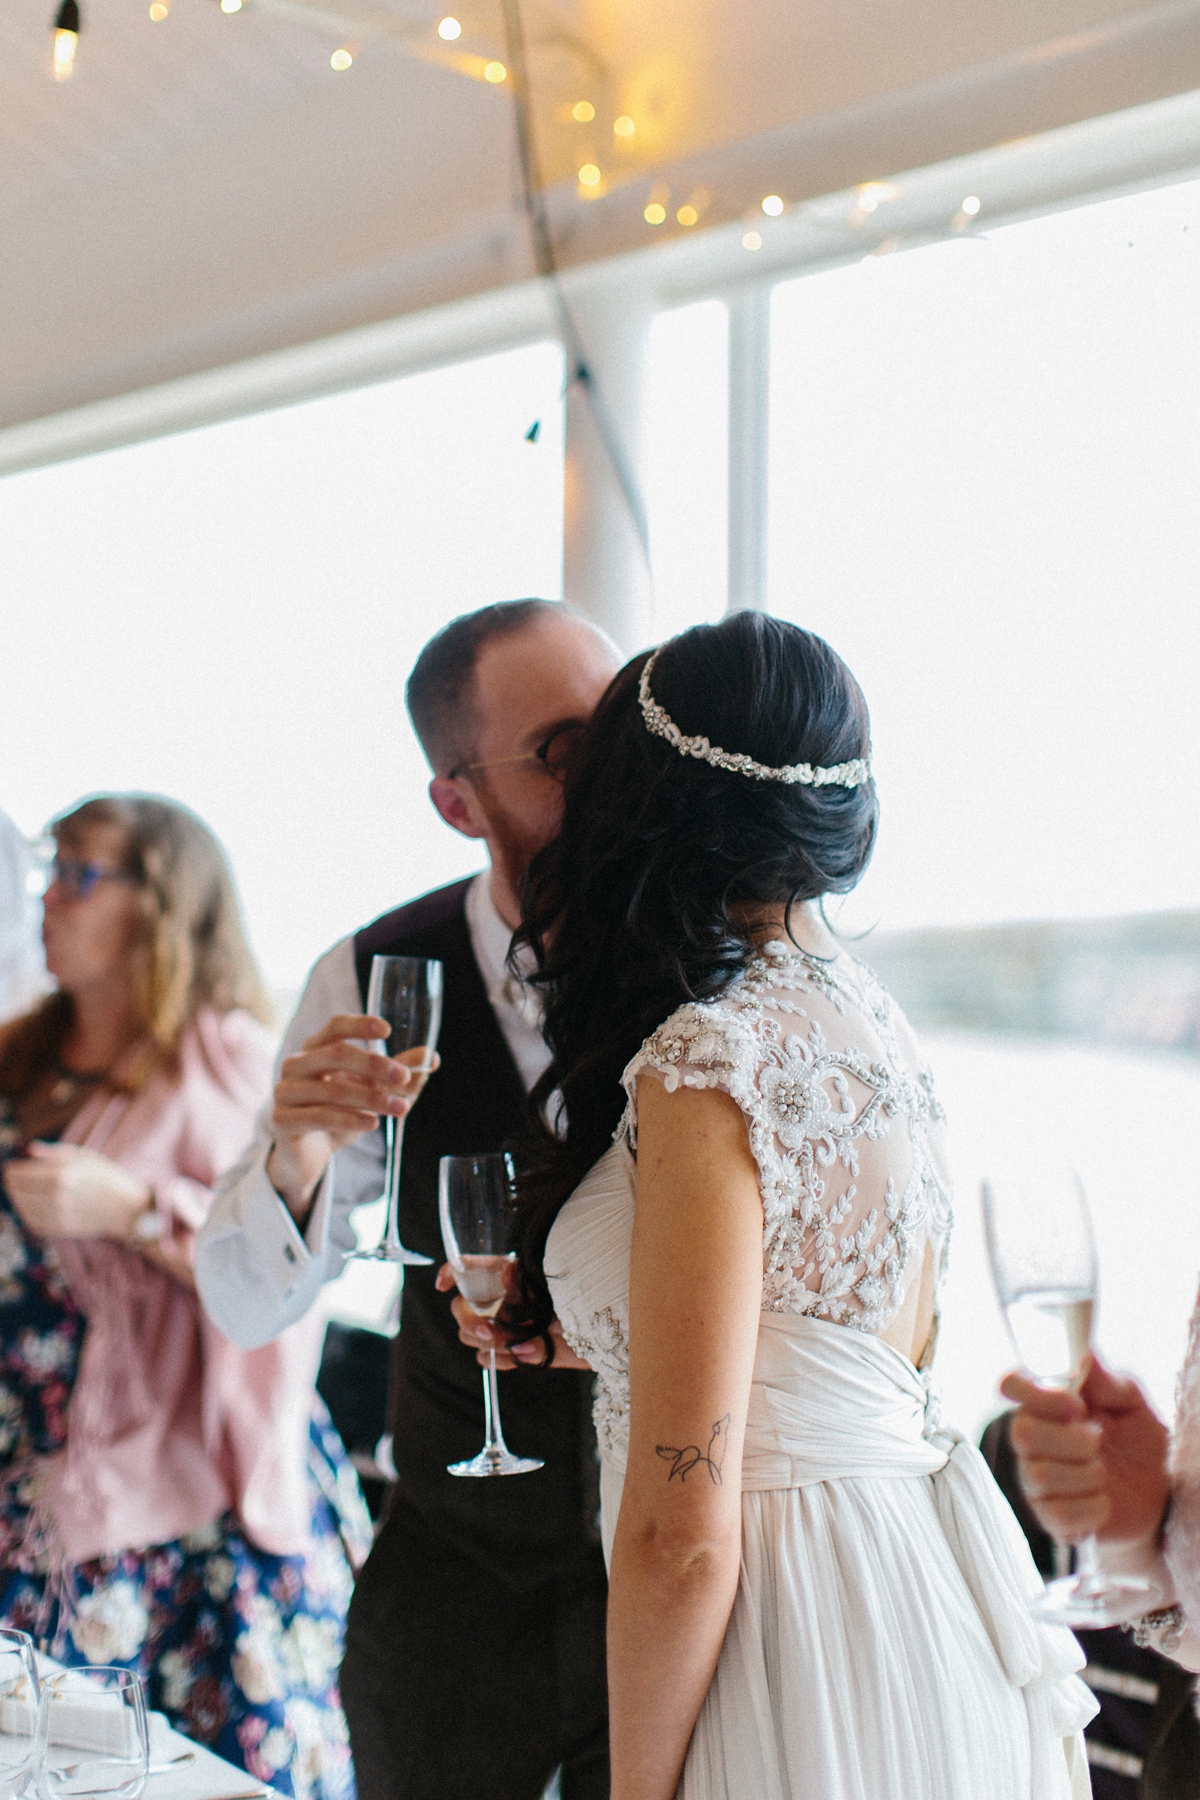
(477, 1204)
(1043, 1259)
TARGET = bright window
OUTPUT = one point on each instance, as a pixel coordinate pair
(228, 617)
(984, 479)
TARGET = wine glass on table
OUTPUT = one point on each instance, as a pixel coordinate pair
(20, 1709)
(1043, 1258)
(406, 991)
(101, 1713)
(477, 1201)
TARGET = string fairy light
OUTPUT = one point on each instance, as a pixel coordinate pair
(583, 112)
(655, 213)
(449, 29)
(772, 205)
(342, 58)
(495, 72)
(66, 40)
(159, 10)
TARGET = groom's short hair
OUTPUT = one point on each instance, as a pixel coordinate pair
(438, 694)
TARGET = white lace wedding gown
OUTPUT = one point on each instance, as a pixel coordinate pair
(880, 1646)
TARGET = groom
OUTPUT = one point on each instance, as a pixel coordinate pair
(475, 1644)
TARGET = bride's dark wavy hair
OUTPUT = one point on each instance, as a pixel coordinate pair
(641, 902)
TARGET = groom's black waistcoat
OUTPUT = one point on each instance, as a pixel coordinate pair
(529, 1526)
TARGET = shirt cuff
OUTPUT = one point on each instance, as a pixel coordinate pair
(270, 1227)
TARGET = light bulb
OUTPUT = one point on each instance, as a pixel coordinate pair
(66, 40)
(449, 29)
(687, 215)
(624, 127)
(231, 6)
(65, 45)
(872, 194)
(772, 206)
(752, 240)
(589, 175)
(341, 59)
(971, 205)
(495, 72)
(655, 214)
(158, 10)
(583, 112)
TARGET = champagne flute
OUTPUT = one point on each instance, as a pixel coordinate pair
(1043, 1258)
(407, 992)
(477, 1203)
(20, 1710)
(101, 1711)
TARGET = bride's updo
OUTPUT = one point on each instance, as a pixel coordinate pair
(647, 896)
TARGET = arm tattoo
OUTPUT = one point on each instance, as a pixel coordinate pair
(685, 1460)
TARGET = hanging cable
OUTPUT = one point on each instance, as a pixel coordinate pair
(534, 203)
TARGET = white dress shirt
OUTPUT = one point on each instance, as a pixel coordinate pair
(256, 1271)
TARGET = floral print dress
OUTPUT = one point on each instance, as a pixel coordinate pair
(239, 1648)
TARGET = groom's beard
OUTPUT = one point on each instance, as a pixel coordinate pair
(515, 843)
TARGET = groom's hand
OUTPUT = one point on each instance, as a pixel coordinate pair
(480, 1334)
(1095, 1461)
(331, 1092)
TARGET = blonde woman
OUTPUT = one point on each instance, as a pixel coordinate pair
(169, 1502)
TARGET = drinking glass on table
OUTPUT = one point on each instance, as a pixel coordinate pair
(406, 991)
(20, 1706)
(477, 1201)
(93, 1739)
(1043, 1257)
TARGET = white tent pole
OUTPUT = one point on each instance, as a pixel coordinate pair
(605, 572)
(749, 422)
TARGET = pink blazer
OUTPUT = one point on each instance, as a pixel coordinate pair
(170, 1425)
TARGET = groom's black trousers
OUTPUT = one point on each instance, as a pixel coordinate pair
(458, 1685)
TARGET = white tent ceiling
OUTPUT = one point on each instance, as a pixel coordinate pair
(207, 189)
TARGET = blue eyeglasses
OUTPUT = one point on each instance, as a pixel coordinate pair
(76, 880)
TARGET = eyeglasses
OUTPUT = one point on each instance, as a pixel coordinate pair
(77, 880)
(554, 755)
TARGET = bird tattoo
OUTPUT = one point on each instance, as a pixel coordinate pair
(691, 1456)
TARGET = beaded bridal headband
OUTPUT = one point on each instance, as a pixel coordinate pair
(847, 774)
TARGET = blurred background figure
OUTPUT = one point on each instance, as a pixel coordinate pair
(167, 1501)
(22, 966)
(1144, 1743)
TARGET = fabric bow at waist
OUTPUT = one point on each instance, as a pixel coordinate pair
(828, 1403)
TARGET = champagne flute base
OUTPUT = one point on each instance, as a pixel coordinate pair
(495, 1462)
(392, 1253)
(1086, 1603)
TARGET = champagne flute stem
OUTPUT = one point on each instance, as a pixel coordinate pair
(1088, 1572)
(493, 1444)
(394, 1144)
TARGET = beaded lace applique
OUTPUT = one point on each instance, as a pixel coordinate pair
(843, 1207)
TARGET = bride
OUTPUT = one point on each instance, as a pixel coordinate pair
(816, 1591)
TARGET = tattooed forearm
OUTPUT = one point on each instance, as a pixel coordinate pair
(685, 1460)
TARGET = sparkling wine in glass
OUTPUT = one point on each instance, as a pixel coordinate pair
(93, 1739)
(20, 1708)
(406, 991)
(1043, 1257)
(477, 1203)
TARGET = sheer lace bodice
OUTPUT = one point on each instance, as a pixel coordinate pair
(843, 1124)
(847, 1136)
